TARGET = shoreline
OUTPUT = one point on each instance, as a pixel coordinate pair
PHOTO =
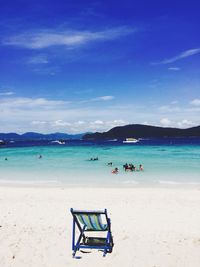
(125, 185)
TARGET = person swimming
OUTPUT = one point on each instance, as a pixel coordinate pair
(109, 163)
(93, 159)
(141, 167)
(129, 167)
(125, 167)
(115, 171)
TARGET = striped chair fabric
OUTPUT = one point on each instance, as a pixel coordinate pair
(92, 222)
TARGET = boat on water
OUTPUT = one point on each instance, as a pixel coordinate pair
(2, 142)
(60, 142)
(131, 140)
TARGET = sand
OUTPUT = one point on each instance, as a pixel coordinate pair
(152, 227)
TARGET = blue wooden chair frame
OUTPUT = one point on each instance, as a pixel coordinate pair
(90, 221)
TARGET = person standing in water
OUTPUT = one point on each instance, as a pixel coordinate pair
(115, 171)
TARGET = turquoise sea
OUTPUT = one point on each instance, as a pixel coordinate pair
(165, 162)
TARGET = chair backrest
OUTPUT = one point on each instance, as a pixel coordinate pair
(91, 220)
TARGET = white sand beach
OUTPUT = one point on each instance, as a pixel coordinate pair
(152, 227)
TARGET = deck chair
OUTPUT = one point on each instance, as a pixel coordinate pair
(89, 222)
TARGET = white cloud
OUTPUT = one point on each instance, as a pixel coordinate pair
(21, 114)
(99, 125)
(39, 59)
(119, 122)
(28, 103)
(38, 122)
(165, 122)
(169, 109)
(80, 122)
(98, 122)
(185, 54)
(47, 38)
(100, 98)
(77, 126)
(195, 102)
(103, 98)
(174, 68)
(185, 123)
(61, 123)
(6, 93)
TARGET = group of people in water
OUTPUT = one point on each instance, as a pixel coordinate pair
(93, 159)
(131, 167)
(127, 167)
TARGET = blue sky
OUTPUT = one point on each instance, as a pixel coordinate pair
(76, 66)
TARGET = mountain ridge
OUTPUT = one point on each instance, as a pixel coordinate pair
(143, 131)
(39, 136)
(118, 132)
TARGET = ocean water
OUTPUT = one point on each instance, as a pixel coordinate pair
(165, 161)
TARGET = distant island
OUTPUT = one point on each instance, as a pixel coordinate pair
(119, 132)
(38, 136)
(143, 131)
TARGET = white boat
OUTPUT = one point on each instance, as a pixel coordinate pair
(60, 142)
(131, 140)
(2, 142)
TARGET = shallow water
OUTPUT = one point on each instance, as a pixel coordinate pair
(170, 161)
